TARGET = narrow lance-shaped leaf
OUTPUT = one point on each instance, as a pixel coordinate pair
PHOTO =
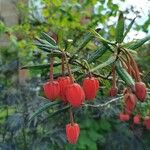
(45, 46)
(43, 108)
(100, 38)
(124, 74)
(85, 41)
(57, 112)
(138, 43)
(41, 66)
(98, 53)
(129, 27)
(48, 38)
(120, 28)
(106, 63)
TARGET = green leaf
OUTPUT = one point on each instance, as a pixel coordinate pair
(120, 28)
(129, 27)
(106, 63)
(138, 43)
(48, 38)
(41, 66)
(124, 74)
(57, 112)
(85, 41)
(101, 39)
(46, 46)
(98, 53)
(43, 108)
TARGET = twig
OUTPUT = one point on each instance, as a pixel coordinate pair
(102, 105)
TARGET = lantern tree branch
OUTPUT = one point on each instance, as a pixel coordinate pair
(104, 104)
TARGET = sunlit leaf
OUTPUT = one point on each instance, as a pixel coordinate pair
(106, 63)
(120, 28)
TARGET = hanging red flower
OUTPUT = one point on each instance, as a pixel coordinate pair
(72, 132)
(75, 94)
(51, 90)
(129, 102)
(90, 87)
(137, 119)
(63, 82)
(140, 91)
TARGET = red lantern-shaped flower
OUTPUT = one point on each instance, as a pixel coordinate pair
(75, 94)
(140, 91)
(63, 82)
(113, 91)
(72, 132)
(147, 122)
(124, 117)
(51, 90)
(90, 87)
(137, 119)
(130, 102)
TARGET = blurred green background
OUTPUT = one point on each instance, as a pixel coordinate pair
(21, 21)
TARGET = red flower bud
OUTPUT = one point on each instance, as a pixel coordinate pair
(137, 119)
(75, 94)
(113, 91)
(90, 87)
(140, 91)
(51, 90)
(63, 82)
(72, 133)
(147, 122)
(124, 117)
(130, 102)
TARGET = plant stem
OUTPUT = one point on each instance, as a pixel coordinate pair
(134, 64)
(113, 76)
(62, 66)
(68, 68)
(71, 116)
(51, 69)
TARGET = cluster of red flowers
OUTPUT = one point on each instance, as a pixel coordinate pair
(136, 92)
(73, 93)
(130, 100)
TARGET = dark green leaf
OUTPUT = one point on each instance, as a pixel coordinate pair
(98, 53)
(138, 43)
(43, 108)
(85, 41)
(124, 74)
(46, 46)
(49, 39)
(106, 63)
(129, 27)
(57, 112)
(43, 66)
(120, 28)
